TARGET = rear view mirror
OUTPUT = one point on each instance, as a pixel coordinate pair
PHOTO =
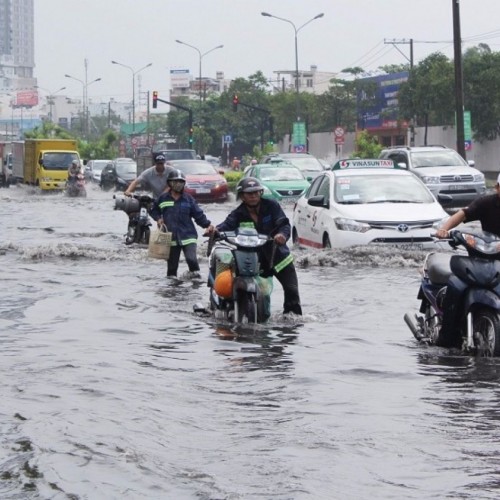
(318, 201)
(471, 163)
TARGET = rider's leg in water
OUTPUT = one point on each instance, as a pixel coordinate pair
(173, 260)
(448, 336)
(288, 279)
(190, 254)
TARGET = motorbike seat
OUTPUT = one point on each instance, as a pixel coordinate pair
(438, 268)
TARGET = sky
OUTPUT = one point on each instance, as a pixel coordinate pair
(138, 32)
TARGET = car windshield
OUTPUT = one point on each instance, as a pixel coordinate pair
(97, 166)
(58, 161)
(380, 188)
(128, 167)
(309, 163)
(280, 174)
(196, 168)
(445, 158)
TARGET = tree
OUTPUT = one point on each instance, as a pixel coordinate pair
(367, 146)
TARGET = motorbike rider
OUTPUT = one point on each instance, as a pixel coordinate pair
(485, 209)
(73, 171)
(267, 217)
(177, 210)
(153, 178)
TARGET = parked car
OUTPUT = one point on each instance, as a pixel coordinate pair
(126, 172)
(93, 169)
(282, 181)
(442, 169)
(307, 163)
(203, 181)
(361, 202)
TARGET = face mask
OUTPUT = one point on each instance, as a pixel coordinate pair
(177, 186)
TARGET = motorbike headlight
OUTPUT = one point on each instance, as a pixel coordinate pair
(487, 247)
(430, 179)
(243, 240)
(478, 177)
(351, 225)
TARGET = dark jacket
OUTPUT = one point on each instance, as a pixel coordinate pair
(271, 221)
(178, 216)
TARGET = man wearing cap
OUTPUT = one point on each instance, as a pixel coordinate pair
(485, 209)
(154, 178)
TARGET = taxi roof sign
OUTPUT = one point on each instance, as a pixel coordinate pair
(363, 163)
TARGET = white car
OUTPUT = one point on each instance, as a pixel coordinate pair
(361, 202)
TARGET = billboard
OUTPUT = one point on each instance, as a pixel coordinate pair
(377, 101)
(179, 78)
(26, 98)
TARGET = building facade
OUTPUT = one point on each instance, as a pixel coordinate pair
(17, 44)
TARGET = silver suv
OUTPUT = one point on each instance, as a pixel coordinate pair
(442, 170)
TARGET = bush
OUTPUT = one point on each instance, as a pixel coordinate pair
(232, 178)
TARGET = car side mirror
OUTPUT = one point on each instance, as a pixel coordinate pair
(445, 199)
(471, 163)
(309, 178)
(402, 165)
(318, 201)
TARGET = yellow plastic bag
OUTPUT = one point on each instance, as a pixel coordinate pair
(159, 243)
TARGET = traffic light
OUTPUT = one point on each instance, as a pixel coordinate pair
(190, 136)
(155, 98)
(235, 103)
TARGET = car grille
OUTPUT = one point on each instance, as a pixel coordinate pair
(401, 226)
(289, 192)
(448, 179)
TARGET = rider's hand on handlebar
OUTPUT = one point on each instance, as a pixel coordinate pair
(442, 234)
(280, 239)
(210, 230)
(126, 193)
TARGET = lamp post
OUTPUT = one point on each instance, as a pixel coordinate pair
(50, 97)
(133, 86)
(85, 111)
(201, 56)
(296, 30)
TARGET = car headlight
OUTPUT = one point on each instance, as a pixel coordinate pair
(351, 225)
(478, 177)
(428, 179)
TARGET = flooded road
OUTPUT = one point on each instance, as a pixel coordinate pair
(113, 389)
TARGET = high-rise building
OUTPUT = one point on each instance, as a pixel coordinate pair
(17, 44)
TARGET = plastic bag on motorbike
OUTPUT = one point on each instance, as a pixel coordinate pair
(159, 243)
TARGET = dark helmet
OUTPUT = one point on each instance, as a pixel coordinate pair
(249, 185)
(159, 158)
(176, 175)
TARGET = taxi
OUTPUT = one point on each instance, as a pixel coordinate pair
(363, 202)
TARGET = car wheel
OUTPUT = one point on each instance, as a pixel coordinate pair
(326, 241)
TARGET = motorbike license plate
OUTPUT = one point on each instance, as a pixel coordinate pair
(203, 191)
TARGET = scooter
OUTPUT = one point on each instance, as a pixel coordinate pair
(464, 289)
(237, 291)
(137, 208)
(76, 187)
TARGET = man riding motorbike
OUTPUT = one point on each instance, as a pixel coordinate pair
(153, 178)
(267, 217)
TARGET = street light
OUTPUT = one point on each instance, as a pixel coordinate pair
(133, 87)
(50, 97)
(266, 14)
(84, 102)
(201, 57)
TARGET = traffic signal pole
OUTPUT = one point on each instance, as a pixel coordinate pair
(156, 99)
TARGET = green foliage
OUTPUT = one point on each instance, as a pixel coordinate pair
(103, 148)
(48, 130)
(232, 178)
(367, 146)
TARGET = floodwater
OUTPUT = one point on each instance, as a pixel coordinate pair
(113, 389)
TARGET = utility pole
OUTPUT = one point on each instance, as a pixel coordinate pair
(459, 87)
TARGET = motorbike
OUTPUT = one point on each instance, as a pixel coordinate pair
(237, 291)
(76, 187)
(137, 208)
(472, 306)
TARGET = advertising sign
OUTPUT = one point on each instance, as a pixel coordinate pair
(299, 138)
(180, 78)
(339, 135)
(377, 101)
(26, 98)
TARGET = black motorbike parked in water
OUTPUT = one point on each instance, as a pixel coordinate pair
(237, 291)
(137, 208)
(465, 290)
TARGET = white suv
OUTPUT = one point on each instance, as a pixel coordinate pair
(442, 170)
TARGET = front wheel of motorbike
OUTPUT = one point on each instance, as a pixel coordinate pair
(486, 332)
(131, 235)
(145, 235)
(245, 310)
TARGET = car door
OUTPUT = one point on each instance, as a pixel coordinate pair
(321, 218)
(303, 213)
